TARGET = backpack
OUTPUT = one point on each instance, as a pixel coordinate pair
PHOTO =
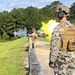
(68, 38)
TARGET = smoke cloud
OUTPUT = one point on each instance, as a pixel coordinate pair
(49, 27)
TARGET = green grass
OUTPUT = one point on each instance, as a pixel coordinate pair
(11, 53)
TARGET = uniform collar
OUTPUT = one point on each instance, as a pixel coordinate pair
(67, 23)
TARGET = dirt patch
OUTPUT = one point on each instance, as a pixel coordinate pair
(42, 53)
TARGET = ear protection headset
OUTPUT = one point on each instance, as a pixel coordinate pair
(61, 13)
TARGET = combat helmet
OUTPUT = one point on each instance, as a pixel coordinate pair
(62, 8)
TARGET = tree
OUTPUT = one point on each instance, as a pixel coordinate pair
(48, 11)
(72, 13)
(33, 18)
(17, 16)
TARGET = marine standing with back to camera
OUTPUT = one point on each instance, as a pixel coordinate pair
(62, 45)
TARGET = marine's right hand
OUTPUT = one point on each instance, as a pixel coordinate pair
(51, 64)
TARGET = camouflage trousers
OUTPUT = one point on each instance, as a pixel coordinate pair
(64, 65)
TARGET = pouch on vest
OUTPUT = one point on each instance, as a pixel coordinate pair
(68, 38)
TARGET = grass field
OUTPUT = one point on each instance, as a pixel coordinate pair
(43, 39)
(11, 57)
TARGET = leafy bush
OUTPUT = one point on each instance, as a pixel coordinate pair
(5, 36)
(14, 38)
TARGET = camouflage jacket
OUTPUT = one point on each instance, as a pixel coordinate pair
(56, 41)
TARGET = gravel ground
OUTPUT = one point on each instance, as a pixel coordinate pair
(42, 52)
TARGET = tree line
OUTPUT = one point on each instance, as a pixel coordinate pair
(30, 17)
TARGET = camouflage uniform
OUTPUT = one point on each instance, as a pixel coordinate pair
(34, 38)
(64, 63)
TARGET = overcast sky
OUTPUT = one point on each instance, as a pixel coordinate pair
(10, 4)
